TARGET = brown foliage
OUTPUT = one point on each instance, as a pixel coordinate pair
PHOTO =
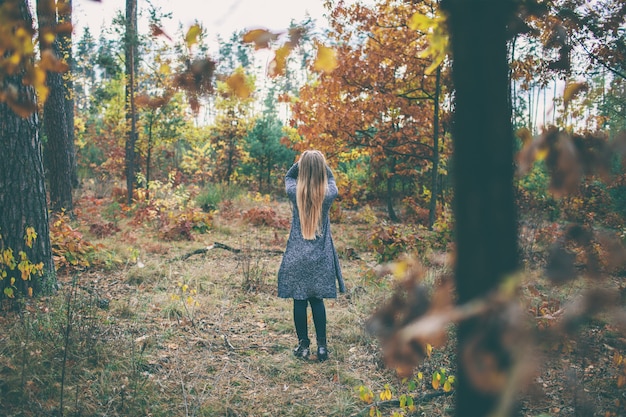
(570, 157)
(378, 100)
(265, 216)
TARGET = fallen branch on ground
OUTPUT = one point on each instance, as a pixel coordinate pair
(218, 245)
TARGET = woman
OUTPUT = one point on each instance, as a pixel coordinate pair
(310, 267)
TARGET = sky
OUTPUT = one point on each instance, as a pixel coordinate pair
(221, 17)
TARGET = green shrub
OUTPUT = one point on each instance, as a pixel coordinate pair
(213, 194)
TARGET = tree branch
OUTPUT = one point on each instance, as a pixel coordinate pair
(218, 245)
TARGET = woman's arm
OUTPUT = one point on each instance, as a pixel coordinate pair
(291, 179)
(332, 185)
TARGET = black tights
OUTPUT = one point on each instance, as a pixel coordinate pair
(319, 319)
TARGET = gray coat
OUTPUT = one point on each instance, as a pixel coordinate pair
(310, 268)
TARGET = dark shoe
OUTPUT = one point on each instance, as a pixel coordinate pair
(322, 353)
(302, 351)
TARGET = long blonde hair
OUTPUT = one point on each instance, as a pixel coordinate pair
(310, 192)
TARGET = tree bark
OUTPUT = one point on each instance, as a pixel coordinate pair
(484, 209)
(434, 188)
(22, 189)
(58, 126)
(131, 112)
(65, 47)
(389, 190)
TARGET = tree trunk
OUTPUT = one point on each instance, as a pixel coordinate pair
(131, 112)
(268, 178)
(390, 176)
(23, 191)
(59, 149)
(149, 155)
(434, 188)
(65, 47)
(484, 209)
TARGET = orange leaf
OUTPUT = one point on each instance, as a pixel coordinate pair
(260, 37)
(326, 60)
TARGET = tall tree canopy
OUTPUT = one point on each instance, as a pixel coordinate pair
(380, 99)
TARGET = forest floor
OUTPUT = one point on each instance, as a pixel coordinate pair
(194, 328)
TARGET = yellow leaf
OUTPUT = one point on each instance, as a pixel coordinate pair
(447, 387)
(48, 38)
(420, 22)
(14, 59)
(165, 69)
(399, 269)
(38, 80)
(571, 91)
(429, 349)
(436, 380)
(385, 395)
(420, 376)
(237, 83)
(191, 38)
(30, 291)
(433, 66)
(326, 60)
(278, 65)
(541, 154)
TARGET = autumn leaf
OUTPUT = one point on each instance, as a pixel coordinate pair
(420, 22)
(295, 34)
(326, 60)
(156, 31)
(237, 84)
(366, 395)
(191, 38)
(64, 27)
(260, 37)
(437, 34)
(385, 395)
(571, 91)
(47, 38)
(436, 381)
(279, 63)
(49, 62)
(524, 134)
(36, 76)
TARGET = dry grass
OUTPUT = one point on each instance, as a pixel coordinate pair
(148, 334)
(152, 335)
